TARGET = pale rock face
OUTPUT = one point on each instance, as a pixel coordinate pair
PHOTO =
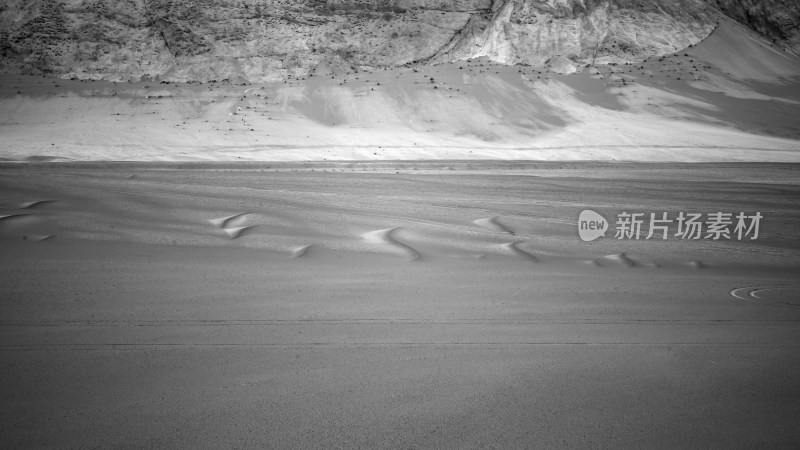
(534, 31)
(441, 5)
(270, 40)
(561, 65)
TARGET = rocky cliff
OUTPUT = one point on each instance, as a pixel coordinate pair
(269, 40)
(777, 20)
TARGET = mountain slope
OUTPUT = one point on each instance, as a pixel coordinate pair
(530, 32)
(693, 105)
(777, 20)
(259, 41)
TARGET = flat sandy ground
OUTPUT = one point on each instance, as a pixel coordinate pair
(439, 305)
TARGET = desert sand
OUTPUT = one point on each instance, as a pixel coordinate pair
(697, 105)
(393, 305)
(393, 259)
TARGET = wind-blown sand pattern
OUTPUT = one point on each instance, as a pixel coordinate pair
(240, 276)
(28, 205)
(513, 248)
(221, 222)
(732, 98)
(30, 227)
(235, 232)
(299, 252)
(226, 223)
(385, 239)
(493, 224)
(139, 326)
(622, 259)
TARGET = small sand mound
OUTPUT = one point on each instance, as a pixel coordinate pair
(223, 221)
(621, 258)
(385, 238)
(513, 248)
(493, 224)
(235, 232)
(299, 252)
(33, 204)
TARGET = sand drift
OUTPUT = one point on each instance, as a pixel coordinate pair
(733, 97)
(386, 305)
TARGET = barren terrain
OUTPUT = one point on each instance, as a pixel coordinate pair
(732, 97)
(386, 305)
(331, 224)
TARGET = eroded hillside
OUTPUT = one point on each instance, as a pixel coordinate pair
(259, 41)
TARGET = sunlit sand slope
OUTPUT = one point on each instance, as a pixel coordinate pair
(711, 102)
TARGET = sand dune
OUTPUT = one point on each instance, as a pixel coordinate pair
(385, 239)
(155, 212)
(138, 326)
(223, 221)
(622, 259)
(513, 248)
(33, 204)
(234, 232)
(493, 223)
(739, 108)
(299, 252)
(142, 326)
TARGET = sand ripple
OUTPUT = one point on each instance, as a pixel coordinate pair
(385, 239)
(493, 224)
